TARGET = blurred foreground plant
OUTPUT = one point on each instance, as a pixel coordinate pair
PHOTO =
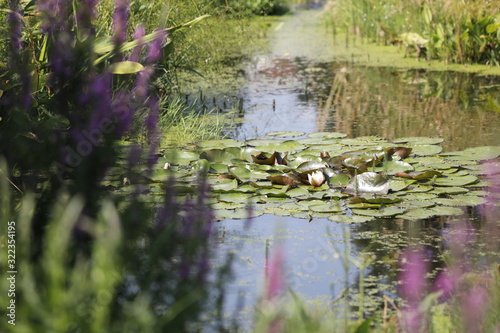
(89, 259)
(150, 278)
(465, 296)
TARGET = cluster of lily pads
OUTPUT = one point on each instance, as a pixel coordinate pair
(328, 175)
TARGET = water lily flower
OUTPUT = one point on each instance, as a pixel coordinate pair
(317, 178)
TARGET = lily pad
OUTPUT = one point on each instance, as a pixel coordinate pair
(394, 167)
(350, 219)
(475, 153)
(285, 134)
(456, 181)
(327, 135)
(426, 150)
(419, 140)
(326, 208)
(425, 213)
(219, 144)
(385, 212)
(368, 182)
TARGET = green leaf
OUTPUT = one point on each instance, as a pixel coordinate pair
(125, 67)
(385, 212)
(419, 140)
(285, 134)
(350, 219)
(326, 208)
(368, 182)
(456, 181)
(106, 46)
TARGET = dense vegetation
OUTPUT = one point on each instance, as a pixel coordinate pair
(455, 31)
(88, 90)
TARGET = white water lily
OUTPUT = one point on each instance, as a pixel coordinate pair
(317, 178)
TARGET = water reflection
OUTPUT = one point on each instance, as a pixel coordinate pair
(313, 259)
(293, 86)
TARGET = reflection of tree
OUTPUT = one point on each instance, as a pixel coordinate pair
(392, 103)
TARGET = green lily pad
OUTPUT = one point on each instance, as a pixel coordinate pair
(350, 219)
(449, 190)
(284, 146)
(237, 197)
(327, 135)
(419, 141)
(236, 214)
(425, 213)
(426, 150)
(298, 192)
(368, 182)
(285, 134)
(244, 174)
(326, 208)
(461, 200)
(456, 181)
(340, 180)
(217, 156)
(310, 166)
(400, 184)
(220, 144)
(182, 157)
(475, 153)
(393, 167)
(385, 212)
(226, 185)
(218, 168)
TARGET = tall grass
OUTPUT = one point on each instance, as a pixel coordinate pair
(456, 31)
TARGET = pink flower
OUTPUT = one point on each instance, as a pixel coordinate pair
(274, 274)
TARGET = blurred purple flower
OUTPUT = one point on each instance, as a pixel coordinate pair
(156, 46)
(123, 109)
(274, 274)
(55, 15)
(413, 288)
(85, 14)
(474, 306)
(142, 82)
(491, 170)
(15, 23)
(139, 32)
(134, 155)
(120, 22)
(447, 282)
(413, 276)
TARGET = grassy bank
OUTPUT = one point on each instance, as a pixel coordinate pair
(463, 32)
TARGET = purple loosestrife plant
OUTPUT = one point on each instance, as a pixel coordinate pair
(413, 289)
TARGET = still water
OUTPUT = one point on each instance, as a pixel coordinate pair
(302, 80)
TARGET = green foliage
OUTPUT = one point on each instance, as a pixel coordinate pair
(460, 32)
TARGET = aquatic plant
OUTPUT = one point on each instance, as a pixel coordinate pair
(461, 32)
(365, 178)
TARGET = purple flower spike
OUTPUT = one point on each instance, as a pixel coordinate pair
(447, 282)
(120, 22)
(413, 288)
(275, 275)
(136, 52)
(414, 282)
(474, 306)
(155, 47)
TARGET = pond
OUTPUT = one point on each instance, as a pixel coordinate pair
(305, 79)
